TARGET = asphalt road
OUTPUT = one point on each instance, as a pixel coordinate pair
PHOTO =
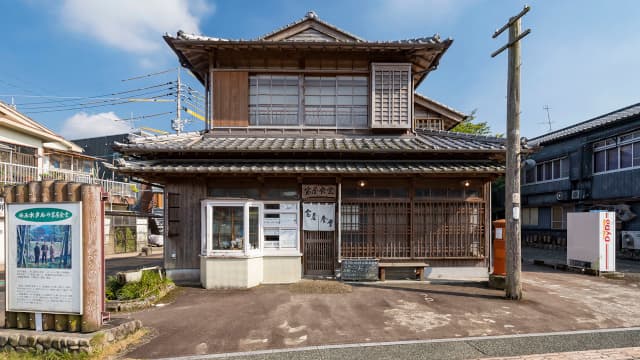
(115, 265)
(452, 349)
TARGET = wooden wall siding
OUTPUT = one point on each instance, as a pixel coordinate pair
(397, 229)
(310, 35)
(319, 252)
(182, 229)
(231, 98)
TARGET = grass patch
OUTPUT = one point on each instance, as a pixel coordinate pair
(150, 284)
(320, 287)
(110, 351)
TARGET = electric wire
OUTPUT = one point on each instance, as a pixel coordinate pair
(97, 101)
(73, 98)
(151, 99)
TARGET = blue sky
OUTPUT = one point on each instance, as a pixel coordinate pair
(581, 59)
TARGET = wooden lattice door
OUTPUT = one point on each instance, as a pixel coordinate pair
(319, 252)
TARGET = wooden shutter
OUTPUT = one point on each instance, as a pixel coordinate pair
(230, 98)
(391, 96)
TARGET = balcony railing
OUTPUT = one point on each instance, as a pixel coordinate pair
(16, 174)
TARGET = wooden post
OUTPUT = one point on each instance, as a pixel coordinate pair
(60, 321)
(73, 194)
(512, 181)
(21, 196)
(513, 286)
(47, 195)
(10, 318)
(91, 258)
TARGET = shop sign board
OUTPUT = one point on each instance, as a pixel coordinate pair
(43, 245)
(317, 191)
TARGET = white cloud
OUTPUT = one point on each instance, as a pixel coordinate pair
(134, 26)
(83, 125)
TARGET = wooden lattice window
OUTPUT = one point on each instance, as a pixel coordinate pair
(429, 124)
(173, 209)
(391, 94)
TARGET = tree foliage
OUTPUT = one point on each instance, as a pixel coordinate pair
(468, 126)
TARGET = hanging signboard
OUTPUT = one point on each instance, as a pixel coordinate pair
(44, 257)
(318, 216)
(315, 191)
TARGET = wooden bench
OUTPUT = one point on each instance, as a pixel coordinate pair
(419, 266)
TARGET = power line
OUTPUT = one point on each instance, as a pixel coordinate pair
(71, 98)
(149, 75)
(145, 116)
(152, 99)
(97, 101)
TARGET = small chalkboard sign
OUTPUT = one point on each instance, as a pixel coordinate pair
(359, 269)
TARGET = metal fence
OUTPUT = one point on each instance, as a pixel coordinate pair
(11, 174)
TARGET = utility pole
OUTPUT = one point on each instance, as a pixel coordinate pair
(177, 122)
(513, 286)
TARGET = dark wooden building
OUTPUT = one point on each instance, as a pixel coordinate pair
(592, 165)
(317, 150)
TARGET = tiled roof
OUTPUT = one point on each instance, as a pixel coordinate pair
(181, 35)
(312, 167)
(426, 98)
(602, 120)
(423, 141)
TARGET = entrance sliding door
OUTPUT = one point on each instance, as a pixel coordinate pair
(319, 237)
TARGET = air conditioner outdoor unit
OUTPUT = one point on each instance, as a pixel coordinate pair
(630, 240)
(562, 195)
(577, 194)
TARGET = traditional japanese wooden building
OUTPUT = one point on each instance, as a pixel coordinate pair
(316, 151)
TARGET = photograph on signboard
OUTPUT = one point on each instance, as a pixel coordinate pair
(43, 246)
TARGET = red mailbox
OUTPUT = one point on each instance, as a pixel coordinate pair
(499, 247)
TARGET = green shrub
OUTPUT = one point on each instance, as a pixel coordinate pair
(150, 284)
(111, 288)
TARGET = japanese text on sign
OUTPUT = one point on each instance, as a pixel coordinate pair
(318, 191)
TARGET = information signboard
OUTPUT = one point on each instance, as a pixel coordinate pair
(44, 257)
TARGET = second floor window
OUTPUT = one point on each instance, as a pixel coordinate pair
(316, 101)
(547, 171)
(617, 153)
(273, 100)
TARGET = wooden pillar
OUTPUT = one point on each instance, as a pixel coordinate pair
(73, 194)
(10, 319)
(91, 258)
(60, 321)
(47, 195)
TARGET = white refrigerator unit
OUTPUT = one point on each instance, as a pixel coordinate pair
(591, 240)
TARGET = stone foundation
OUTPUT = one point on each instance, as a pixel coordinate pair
(41, 342)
